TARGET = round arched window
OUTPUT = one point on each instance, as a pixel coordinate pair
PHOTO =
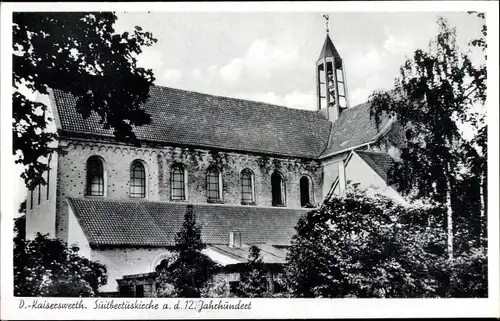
(137, 180)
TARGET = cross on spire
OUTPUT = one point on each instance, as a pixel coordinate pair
(327, 17)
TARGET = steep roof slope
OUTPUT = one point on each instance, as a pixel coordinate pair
(189, 118)
(379, 162)
(329, 50)
(127, 222)
(353, 128)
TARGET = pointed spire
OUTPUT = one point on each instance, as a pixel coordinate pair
(329, 50)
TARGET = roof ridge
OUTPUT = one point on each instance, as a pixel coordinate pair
(239, 99)
(220, 122)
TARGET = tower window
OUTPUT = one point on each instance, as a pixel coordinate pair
(95, 176)
(31, 199)
(305, 191)
(213, 184)
(137, 180)
(278, 189)
(247, 187)
(177, 183)
(39, 193)
(48, 181)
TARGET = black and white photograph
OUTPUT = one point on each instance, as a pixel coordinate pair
(221, 158)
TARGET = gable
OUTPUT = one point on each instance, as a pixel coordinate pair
(182, 117)
(146, 223)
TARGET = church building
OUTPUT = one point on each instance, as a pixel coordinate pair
(249, 170)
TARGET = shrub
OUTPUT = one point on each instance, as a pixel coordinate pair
(190, 269)
(253, 280)
(47, 267)
(217, 287)
(469, 273)
(368, 246)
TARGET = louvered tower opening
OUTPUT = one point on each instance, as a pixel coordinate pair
(331, 82)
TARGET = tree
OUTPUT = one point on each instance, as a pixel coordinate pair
(365, 246)
(480, 140)
(20, 225)
(81, 54)
(190, 270)
(47, 267)
(438, 90)
(253, 280)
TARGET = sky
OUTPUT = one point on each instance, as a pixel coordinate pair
(271, 57)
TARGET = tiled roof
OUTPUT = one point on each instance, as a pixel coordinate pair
(354, 127)
(269, 253)
(189, 118)
(380, 162)
(329, 49)
(128, 222)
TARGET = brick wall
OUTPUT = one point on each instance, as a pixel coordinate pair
(71, 180)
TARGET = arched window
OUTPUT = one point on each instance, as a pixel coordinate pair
(177, 183)
(213, 184)
(31, 199)
(95, 176)
(247, 187)
(305, 191)
(39, 193)
(278, 189)
(137, 180)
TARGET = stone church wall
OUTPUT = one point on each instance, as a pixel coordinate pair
(158, 162)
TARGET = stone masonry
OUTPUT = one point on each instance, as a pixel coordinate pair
(158, 161)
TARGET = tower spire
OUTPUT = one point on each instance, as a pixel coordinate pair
(330, 79)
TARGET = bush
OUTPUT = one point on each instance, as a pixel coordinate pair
(253, 280)
(363, 246)
(217, 287)
(469, 274)
(190, 270)
(47, 267)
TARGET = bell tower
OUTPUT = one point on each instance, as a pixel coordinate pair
(331, 86)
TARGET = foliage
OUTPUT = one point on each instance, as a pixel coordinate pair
(216, 287)
(470, 274)
(166, 290)
(81, 54)
(253, 280)
(438, 90)
(190, 270)
(362, 246)
(47, 267)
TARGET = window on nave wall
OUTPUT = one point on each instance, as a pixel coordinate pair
(278, 189)
(137, 180)
(178, 183)
(305, 191)
(95, 176)
(214, 184)
(247, 187)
